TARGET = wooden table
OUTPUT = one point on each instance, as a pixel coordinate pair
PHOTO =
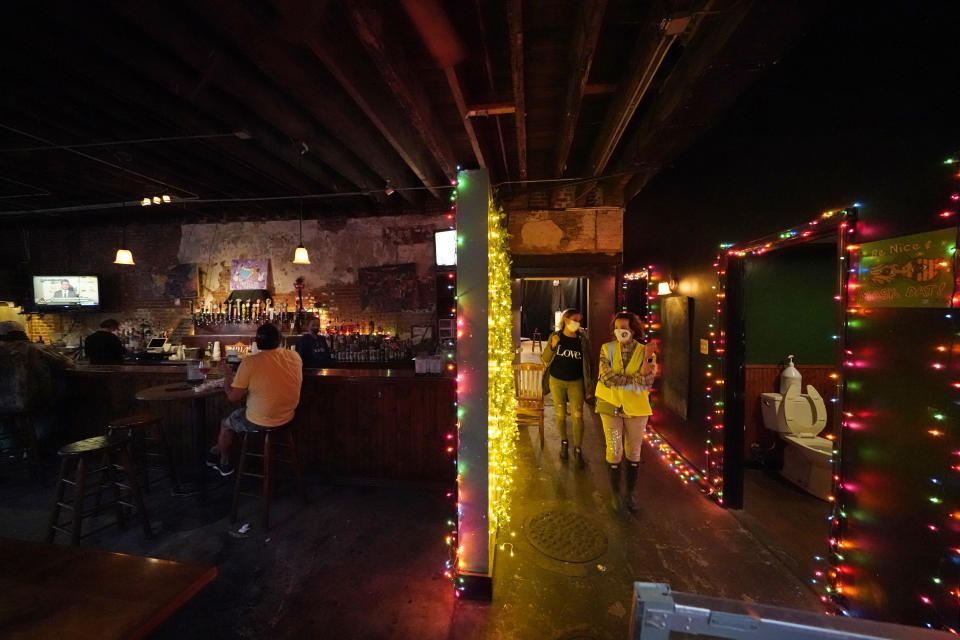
(75, 593)
(184, 392)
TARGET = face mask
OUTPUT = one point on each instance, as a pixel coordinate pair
(623, 335)
(573, 325)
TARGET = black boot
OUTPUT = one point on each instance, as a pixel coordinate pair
(578, 456)
(633, 472)
(614, 471)
(563, 449)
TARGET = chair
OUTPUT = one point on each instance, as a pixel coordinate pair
(104, 454)
(270, 437)
(150, 446)
(535, 343)
(528, 381)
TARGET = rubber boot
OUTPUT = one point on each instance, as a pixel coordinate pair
(614, 471)
(563, 449)
(633, 473)
(578, 456)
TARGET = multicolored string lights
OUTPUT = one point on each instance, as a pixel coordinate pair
(676, 463)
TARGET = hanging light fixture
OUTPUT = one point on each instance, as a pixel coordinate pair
(300, 256)
(663, 289)
(124, 256)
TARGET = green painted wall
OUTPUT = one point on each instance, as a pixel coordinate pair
(790, 306)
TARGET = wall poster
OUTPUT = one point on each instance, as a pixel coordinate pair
(249, 273)
(909, 271)
(389, 288)
(182, 282)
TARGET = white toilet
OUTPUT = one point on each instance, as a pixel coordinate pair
(798, 418)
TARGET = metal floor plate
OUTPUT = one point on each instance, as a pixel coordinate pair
(566, 536)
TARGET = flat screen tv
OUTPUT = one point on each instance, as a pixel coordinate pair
(66, 293)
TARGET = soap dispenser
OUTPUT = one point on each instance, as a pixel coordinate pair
(790, 379)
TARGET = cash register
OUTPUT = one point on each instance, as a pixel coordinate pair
(156, 345)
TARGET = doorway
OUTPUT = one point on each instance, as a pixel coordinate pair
(789, 313)
(542, 300)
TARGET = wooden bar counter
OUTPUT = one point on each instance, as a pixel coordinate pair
(362, 424)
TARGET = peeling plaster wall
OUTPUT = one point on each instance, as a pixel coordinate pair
(596, 230)
(338, 248)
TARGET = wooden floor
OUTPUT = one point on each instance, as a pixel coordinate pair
(789, 521)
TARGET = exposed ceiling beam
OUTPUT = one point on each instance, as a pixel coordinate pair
(324, 103)
(488, 67)
(515, 27)
(653, 43)
(594, 89)
(589, 22)
(312, 26)
(492, 109)
(396, 72)
(149, 79)
(454, 82)
(222, 70)
(706, 42)
(441, 40)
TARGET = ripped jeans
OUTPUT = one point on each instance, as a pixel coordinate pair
(571, 391)
(622, 431)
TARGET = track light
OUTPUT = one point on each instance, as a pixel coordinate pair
(161, 199)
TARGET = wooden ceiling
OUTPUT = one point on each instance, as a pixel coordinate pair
(225, 104)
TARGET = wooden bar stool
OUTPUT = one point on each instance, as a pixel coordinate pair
(151, 449)
(104, 454)
(270, 437)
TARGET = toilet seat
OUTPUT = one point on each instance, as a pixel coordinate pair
(815, 444)
(805, 415)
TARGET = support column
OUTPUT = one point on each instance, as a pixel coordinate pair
(475, 565)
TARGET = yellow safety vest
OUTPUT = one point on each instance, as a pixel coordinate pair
(634, 401)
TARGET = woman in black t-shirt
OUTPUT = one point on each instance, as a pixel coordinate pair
(566, 355)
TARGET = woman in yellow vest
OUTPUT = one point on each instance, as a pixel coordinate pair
(627, 370)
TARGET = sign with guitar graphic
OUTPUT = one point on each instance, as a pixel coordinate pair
(909, 271)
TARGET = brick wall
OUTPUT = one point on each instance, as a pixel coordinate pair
(586, 230)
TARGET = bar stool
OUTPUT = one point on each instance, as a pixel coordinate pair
(150, 447)
(270, 438)
(76, 458)
(18, 439)
(535, 341)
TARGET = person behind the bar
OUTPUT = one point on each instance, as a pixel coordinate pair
(28, 373)
(103, 346)
(270, 380)
(66, 290)
(627, 369)
(567, 378)
(313, 348)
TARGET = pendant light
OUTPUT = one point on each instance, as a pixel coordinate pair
(124, 256)
(300, 256)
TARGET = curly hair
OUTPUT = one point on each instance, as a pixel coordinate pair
(636, 325)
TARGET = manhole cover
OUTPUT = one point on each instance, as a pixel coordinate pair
(566, 536)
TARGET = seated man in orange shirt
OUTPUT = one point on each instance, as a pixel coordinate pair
(271, 381)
